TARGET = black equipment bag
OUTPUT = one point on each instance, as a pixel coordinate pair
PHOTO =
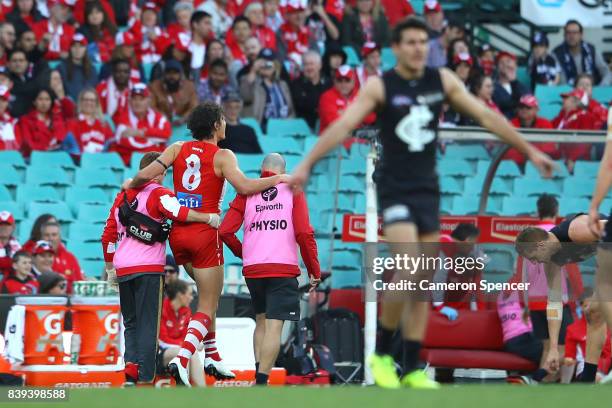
(340, 330)
(142, 227)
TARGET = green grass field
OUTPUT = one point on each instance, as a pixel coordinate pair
(473, 396)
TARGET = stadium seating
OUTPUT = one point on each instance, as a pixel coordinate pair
(51, 160)
(13, 208)
(13, 158)
(466, 152)
(104, 178)
(5, 194)
(288, 127)
(38, 176)
(578, 187)
(533, 187)
(455, 167)
(93, 213)
(27, 193)
(284, 146)
(549, 99)
(85, 232)
(559, 173)
(102, 161)
(86, 250)
(253, 123)
(586, 169)
(518, 205)
(77, 195)
(60, 210)
(569, 206)
(352, 58)
(92, 268)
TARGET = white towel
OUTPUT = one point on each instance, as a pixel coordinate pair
(13, 334)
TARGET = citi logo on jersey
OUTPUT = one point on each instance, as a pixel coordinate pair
(189, 200)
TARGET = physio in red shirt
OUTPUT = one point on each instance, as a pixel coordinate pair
(64, 262)
(335, 100)
(527, 117)
(175, 313)
(140, 128)
(21, 281)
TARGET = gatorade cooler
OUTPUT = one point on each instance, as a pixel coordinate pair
(44, 324)
(96, 320)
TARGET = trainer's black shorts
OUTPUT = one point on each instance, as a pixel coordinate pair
(540, 324)
(527, 346)
(278, 298)
(419, 207)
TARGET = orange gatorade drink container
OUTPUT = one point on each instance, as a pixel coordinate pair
(95, 322)
(44, 325)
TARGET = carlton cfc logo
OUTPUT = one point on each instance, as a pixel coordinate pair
(270, 194)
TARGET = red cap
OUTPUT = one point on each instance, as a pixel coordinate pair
(295, 6)
(5, 93)
(432, 6)
(140, 89)
(504, 54)
(529, 100)
(368, 48)
(42, 247)
(125, 38)
(80, 38)
(463, 57)
(577, 93)
(149, 5)
(345, 71)
(7, 218)
(66, 3)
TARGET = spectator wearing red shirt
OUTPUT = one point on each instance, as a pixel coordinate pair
(35, 234)
(182, 27)
(482, 88)
(80, 6)
(55, 32)
(140, 128)
(599, 112)
(574, 116)
(9, 245)
(20, 281)
(100, 31)
(124, 50)
(175, 317)
(44, 127)
(43, 258)
(462, 66)
(215, 50)
(236, 39)
(397, 10)
(10, 136)
(486, 59)
(89, 128)
(64, 262)
(527, 118)
(114, 92)
(370, 52)
(152, 41)
(335, 100)
(293, 36)
(255, 13)
(24, 15)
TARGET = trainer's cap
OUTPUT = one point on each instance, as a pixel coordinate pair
(504, 54)
(231, 96)
(528, 100)
(42, 247)
(368, 48)
(579, 94)
(125, 38)
(80, 39)
(432, 6)
(7, 218)
(5, 93)
(463, 57)
(149, 5)
(140, 89)
(345, 72)
(173, 65)
(294, 6)
(539, 38)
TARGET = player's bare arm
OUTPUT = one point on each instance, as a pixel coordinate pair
(156, 168)
(464, 102)
(554, 313)
(211, 219)
(369, 98)
(226, 165)
(604, 182)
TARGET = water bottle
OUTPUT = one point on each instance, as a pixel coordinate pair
(75, 348)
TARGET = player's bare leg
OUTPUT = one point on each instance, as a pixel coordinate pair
(258, 337)
(269, 347)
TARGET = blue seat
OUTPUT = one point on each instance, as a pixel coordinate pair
(522, 75)
(387, 58)
(602, 94)
(292, 162)
(86, 250)
(147, 68)
(96, 178)
(60, 210)
(450, 185)
(518, 205)
(500, 261)
(93, 213)
(288, 127)
(346, 279)
(13, 208)
(135, 160)
(353, 166)
(346, 260)
(9, 176)
(38, 176)
(52, 160)
(446, 204)
(110, 160)
(534, 187)
(549, 98)
(560, 172)
(250, 162)
(92, 268)
(12, 157)
(469, 205)
(253, 123)
(508, 168)
(85, 232)
(5, 194)
(466, 152)
(27, 193)
(284, 146)
(569, 206)
(578, 187)
(77, 195)
(352, 58)
(587, 169)
(181, 132)
(455, 167)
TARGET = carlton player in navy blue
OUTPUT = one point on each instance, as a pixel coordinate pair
(408, 100)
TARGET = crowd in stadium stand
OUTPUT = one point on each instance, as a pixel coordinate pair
(87, 76)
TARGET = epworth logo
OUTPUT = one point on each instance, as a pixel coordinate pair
(270, 194)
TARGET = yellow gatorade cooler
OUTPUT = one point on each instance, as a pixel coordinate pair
(44, 325)
(96, 326)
